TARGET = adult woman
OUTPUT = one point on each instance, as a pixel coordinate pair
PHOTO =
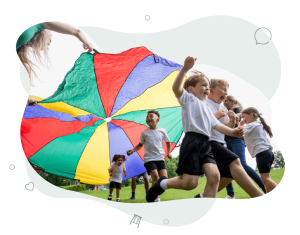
(237, 145)
(37, 38)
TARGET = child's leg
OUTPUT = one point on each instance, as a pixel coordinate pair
(268, 182)
(133, 184)
(147, 184)
(186, 182)
(111, 190)
(163, 172)
(242, 179)
(118, 192)
(213, 177)
(155, 177)
(223, 183)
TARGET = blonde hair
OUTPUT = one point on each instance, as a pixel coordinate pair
(217, 82)
(256, 114)
(192, 80)
(232, 103)
(35, 45)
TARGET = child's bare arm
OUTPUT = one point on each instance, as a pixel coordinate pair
(125, 173)
(236, 132)
(136, 148)
(188, 64)
(231, 116)
(169, 155)
(219, 114)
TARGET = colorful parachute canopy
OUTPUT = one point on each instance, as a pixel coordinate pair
(99, 110)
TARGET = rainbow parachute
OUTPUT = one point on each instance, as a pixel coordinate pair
(100, 110)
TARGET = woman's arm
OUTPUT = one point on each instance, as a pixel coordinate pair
(68, 29)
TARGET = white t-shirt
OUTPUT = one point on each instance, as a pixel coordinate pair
(196, 116)
(117, 172)
(214, 107)
(153, 144)
(256, 138)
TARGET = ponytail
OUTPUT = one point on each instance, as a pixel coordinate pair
(267, 128)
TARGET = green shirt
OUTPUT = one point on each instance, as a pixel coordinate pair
(28, 34)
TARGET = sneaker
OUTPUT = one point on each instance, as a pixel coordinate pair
(230, 197)
(109, 197)
(198, 196)
(155, 190)
(117, 200)
(157, 200)
(132, 198)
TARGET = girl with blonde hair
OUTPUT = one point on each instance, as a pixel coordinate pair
(36, 39)
(237, 145)
(258, 144)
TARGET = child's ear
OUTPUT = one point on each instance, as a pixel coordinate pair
(189, 89)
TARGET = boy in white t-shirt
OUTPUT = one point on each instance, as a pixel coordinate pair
(195, 157)
(228, 163)
(153, 138)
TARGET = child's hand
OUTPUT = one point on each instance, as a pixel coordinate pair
(31, 102)
(189, 63)
(238, 132)
(129, 152)
(231, 115)
(169, 156)
(242, 123)
(220, 113)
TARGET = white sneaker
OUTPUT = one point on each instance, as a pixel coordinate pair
(157, 200)
(229, 197)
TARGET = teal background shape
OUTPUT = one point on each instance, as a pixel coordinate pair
(221, 41)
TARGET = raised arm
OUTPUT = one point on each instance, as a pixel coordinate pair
(231, 116)
(136, 148)
(188, 64)
(68, 29)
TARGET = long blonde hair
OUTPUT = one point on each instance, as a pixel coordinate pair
(35, 45)
(256, 114)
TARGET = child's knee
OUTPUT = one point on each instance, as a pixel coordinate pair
(236, 163)
(213, 178)
(190, 185)
(155, 177)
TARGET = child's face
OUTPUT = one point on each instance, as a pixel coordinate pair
(201, 90)
(152, 119)
(219, 93)
(248, 118)
(119, 161)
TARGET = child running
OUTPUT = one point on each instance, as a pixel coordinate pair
(237, 145)
(116, 171)
(195, 154)
(228, 163)
(154, 152)
(258, 144)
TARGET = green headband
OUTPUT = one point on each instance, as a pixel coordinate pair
(28, 34)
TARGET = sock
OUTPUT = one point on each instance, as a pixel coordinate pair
(117, 198)
(110, 194)
(163, 184)
(133, 194)
(201, 195)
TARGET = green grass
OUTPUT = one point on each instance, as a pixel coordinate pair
(174, 194)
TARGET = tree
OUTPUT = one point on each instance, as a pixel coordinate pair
(278, 160)
(54, 179)
(171, 166)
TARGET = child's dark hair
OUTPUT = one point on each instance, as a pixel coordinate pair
(155, 112)
(117, 156)
(256, 114)
(232, 103)
(194, 79)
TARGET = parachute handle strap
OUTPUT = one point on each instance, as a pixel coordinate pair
(178, 145)
(156, 58)
(94, 50)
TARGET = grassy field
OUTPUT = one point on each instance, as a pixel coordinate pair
(173, 194)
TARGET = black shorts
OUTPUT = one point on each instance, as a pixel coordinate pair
(223, 157)
(154, 165)
(114, 184)
(194, 152)
(264, 161)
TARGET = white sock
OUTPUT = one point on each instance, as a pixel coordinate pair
(117, 198)
(163, 184)
(201, 195)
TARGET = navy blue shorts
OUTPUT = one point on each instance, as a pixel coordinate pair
(223, 157)
(264, 161)
(194, 151)
(154, 165)
(114, 184)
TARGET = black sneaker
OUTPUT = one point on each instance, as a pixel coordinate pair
(155, 190)
(197, 196)
(132, 198)
(109, 197)
(117, 200)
